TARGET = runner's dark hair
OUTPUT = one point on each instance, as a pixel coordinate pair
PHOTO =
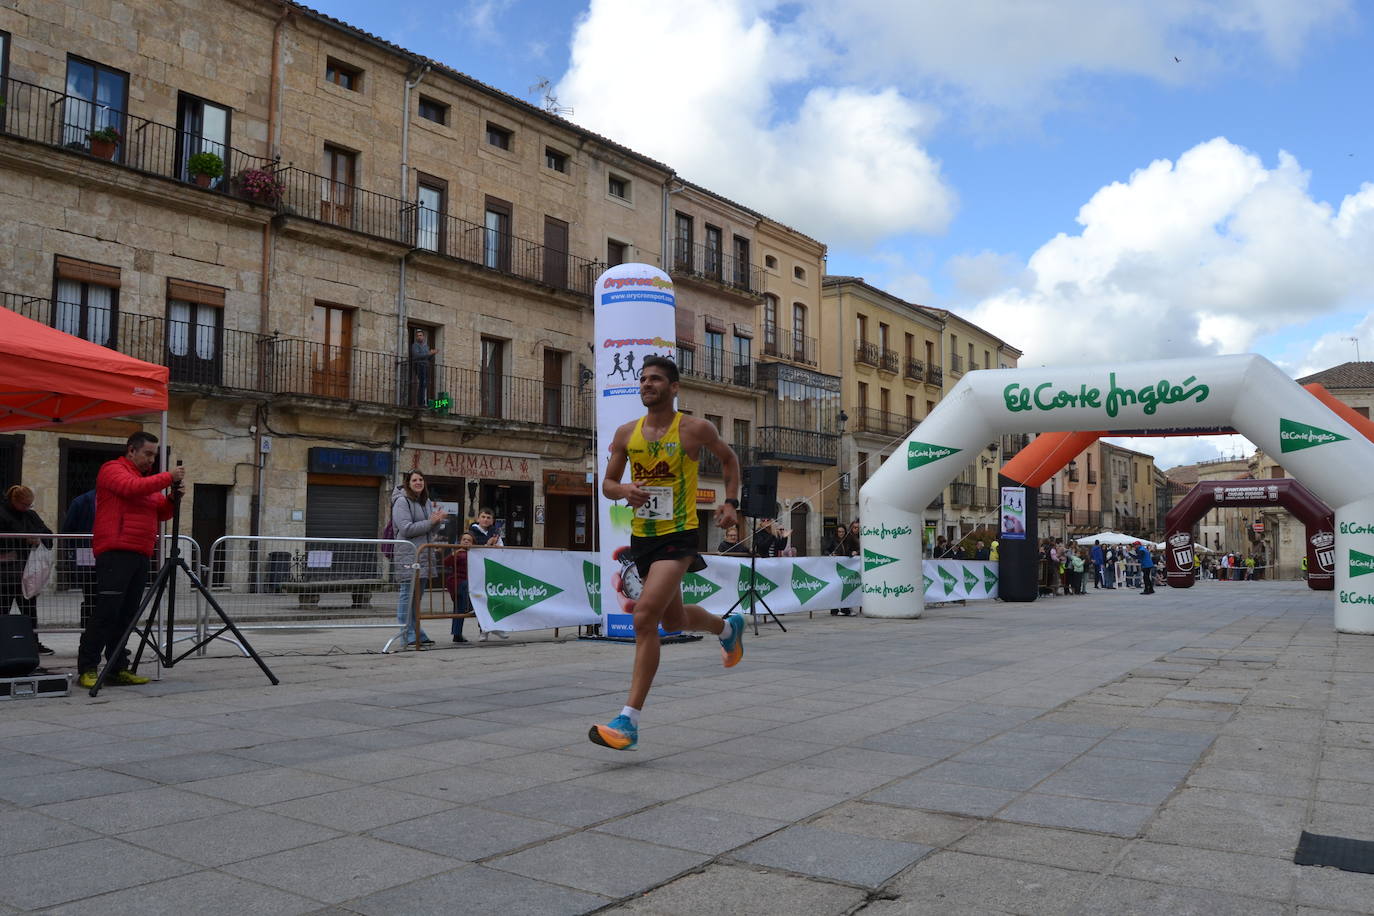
(667, 365)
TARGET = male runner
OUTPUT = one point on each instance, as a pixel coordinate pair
(663, 448)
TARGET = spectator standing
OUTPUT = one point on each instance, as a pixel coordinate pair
(1147, 568)
(80, 519)
(415, 517)
(129, 504)
(484, 531)
(18, 517)
(456, 581)
(421, 363)
(731, 545)
(1098, 558)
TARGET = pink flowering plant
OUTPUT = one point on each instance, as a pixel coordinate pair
(260, 184)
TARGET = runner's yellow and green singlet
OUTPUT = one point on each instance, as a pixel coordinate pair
(663, 469)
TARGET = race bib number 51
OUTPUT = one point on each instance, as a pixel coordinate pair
(660, 504)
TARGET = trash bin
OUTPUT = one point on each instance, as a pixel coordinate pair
(278, 570)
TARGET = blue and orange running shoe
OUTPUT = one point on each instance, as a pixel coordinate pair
(732, 640)
(620, 734)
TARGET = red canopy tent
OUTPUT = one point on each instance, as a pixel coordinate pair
(48, 377)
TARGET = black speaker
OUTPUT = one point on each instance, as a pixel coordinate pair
(758, 495)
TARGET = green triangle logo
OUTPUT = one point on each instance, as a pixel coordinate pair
(874, 560)
(849, 580)
(763, 587)
(1361, 564)
(929, 583)
(510, 591)
(591, 574)
(1295, 436)
(948, 579)
(970, 580)
(697, 588)
(923, 453)
(989, 579)
(804, 585)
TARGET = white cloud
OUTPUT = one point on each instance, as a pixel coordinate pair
(1343, 346)
(1172, 451)
(706, 88)
(1196, 256)
(1011, 54)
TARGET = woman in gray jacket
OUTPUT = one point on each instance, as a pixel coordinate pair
(414, 517)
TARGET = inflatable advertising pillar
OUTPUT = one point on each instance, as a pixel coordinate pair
(635, 317)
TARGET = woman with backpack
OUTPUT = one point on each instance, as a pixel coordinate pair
(415, 518)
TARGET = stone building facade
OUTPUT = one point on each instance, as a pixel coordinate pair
(363, 199)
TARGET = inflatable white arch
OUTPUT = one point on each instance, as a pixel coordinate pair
(1247, 393)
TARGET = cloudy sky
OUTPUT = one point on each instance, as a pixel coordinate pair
(1091, 181)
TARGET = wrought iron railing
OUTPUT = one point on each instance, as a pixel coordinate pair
(709, 464)
(213, 356)
(1092, 477)
(881, 422)
(1054, 501)
(710, 263)
(783, 344)
(785, 443)
(68, 122)
(915, 370)
(406, 222)
(1086, 518)
(888, 360)
(956, 363)
(935, 375)
(716, 364)
(865, 353)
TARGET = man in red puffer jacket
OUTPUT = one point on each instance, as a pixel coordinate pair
(129, 505)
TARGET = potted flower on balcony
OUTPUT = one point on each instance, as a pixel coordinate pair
(260, 185)
(205, 168)
(103, 142)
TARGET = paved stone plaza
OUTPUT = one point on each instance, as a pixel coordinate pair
(1106, 754)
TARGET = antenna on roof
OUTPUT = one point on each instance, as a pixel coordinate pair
(550, 101)
(1356, 342)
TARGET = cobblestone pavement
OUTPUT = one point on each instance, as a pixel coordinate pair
(1111, 753)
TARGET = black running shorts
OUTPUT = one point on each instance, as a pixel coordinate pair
(675, 546)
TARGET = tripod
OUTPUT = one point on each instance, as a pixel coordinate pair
(752, 592)
(165, 584)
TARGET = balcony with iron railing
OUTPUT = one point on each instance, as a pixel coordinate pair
(956, 364)
(915, 370)
(783, 344)
(865, 353)
(66, 122)
(709, 465)
(315, 197)
(973, 496)
(1092, 477)
(888, 361)
(716, 364)
(782, 443)
(935, 375)
(1059, 502)
(880, 422)
(1086, 518)
(204, 355)
(706, 262)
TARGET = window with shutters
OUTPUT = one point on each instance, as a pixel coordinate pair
(195, 332)
(86, 300)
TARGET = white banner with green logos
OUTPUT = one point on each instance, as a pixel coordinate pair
(540, 589)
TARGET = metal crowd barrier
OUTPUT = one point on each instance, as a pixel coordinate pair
(69, 597)
(273, 582)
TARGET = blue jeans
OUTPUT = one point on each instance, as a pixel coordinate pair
(462, 606)
(403, 609)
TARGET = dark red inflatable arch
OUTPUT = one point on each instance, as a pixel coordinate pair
(1281, 491)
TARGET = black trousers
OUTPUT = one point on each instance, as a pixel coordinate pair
(1148, 574)
(120, 578)
(12, 592)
